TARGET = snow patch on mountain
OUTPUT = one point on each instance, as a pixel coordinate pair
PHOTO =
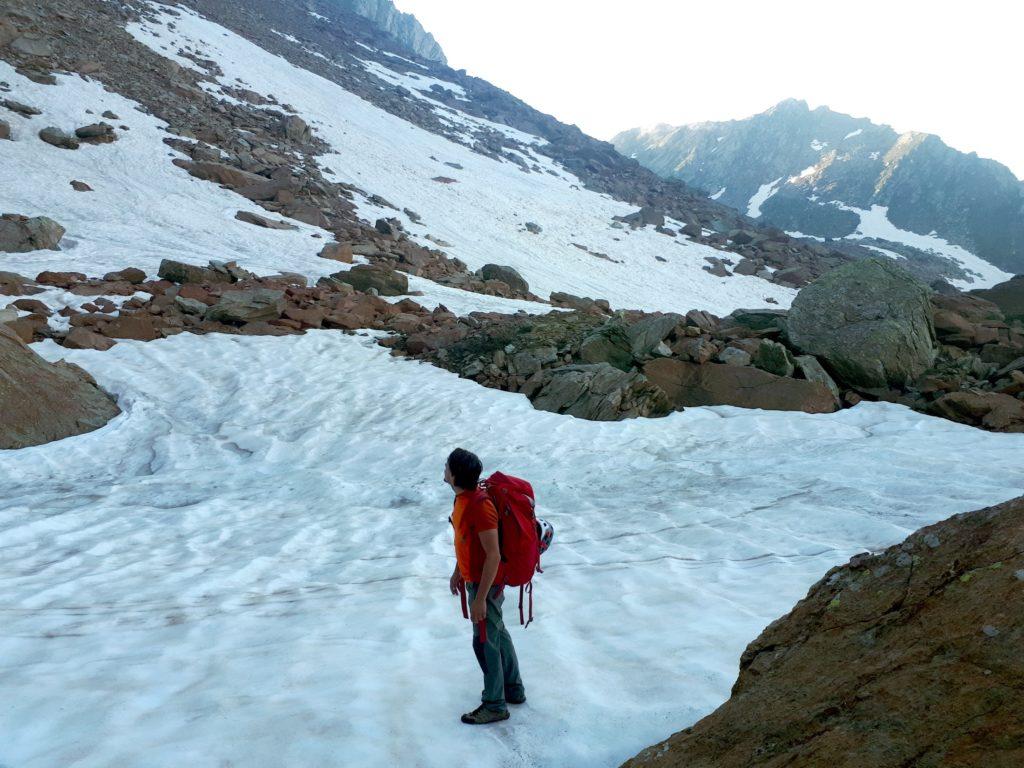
(759, 198)
(875, 223)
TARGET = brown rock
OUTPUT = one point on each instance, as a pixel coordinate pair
(83, 338)
(13, 284)
(337, 252)
(139, 327)
(80, 186)
(19, 234)
(129, 275)
(33, 305)
(96, 133)
(909, 658)
(5, 130)
(262, 221)
(57, 137)
(60, 279)
(690, 384)
(42, 401)
(989, 410)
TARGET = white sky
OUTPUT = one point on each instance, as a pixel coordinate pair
(954, 69)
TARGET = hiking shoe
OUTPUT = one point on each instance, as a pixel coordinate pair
(482, 715)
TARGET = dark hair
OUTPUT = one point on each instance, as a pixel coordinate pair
(465, 468)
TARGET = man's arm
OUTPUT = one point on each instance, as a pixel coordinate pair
(489, 541)
(455, 580)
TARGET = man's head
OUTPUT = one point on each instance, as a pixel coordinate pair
(462, 470)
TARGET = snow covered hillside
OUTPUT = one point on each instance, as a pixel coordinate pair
(249, 566)
(482, 213)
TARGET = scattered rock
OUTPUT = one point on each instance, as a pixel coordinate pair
(262, 221)
(58, 138)
(22, 109)
(734, 356)
(597, 392)
(337, 252)
(5, 130)
(247, 306)
(84, 338)
(19, 234)
(179, 272)
(42, 401)
(366, 277)
(507, 275)
(129, 275)
(80, 186)
(532, 228)
(96, 133)
(990, 410)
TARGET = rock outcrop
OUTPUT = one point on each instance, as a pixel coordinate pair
(908, 657)
(869, 321)
(19, 234)
(402, 27)
(42, 401)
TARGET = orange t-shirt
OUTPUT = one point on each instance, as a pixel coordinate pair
(473, 513)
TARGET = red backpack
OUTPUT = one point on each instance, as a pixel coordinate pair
(518, 537)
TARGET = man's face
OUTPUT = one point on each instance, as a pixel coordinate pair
(448, 476)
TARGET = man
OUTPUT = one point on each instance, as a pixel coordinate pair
(477, 557)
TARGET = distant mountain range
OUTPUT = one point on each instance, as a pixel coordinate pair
(829, 175)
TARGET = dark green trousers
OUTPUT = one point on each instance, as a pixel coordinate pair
(497, 656)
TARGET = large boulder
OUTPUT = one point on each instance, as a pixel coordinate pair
(384, 280)
(19, 234)
(690, 384)
(596, 392)
(237, 307)
(58, 138)
(507, 275)
(907, 658)
(869, 321)
(608, 344)
(180, 272)
(42, 401)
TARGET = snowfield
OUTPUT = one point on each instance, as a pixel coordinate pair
(249, 566)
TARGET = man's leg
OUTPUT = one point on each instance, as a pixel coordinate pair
(515, 693)
(488, 654)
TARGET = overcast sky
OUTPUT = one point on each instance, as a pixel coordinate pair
(954, 69)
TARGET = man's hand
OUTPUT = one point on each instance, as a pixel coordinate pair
(455, 582)
(478, 610)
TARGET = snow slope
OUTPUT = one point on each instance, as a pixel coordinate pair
(483, 213)
(875, 223)
(249, 566)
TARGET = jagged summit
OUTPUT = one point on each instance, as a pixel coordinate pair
(830, 175)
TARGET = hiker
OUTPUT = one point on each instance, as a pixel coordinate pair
(477, 555)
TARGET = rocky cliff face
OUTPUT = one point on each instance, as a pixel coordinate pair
(908, 657)
(403, 27)
(816, 171)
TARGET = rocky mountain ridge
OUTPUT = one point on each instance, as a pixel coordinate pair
(403, 27)
(822, 173)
